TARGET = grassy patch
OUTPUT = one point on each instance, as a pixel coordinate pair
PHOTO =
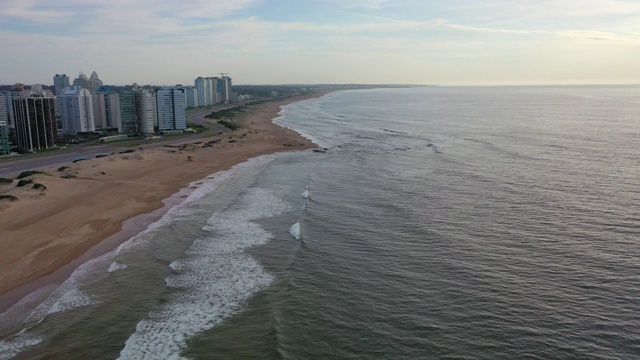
(24, 174)
(198, 128)
(6, 181)
(229, 124)
(39, 186)
(225, 113)
(24, 182)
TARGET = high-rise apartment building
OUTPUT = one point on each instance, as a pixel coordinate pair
(171, 104)
(90, 83)
(5, 141)
(35, 117)
(60, 81)
(224, 88)
(94, 82)
(203, 88)
(82, 81)
(76, 110)
(106, 108)
(4, 113)
(191, 96)
(146, 111)
(14, 93)
(214, 98)
(128, 114)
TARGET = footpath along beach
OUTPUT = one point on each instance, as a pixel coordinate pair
(46, 233)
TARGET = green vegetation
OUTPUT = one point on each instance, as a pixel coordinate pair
(8, 197)
(24, 182)
(229, 124)
(24, 174)
(226, 113)
(39, 186)
(5, 181)
(198, 128)
(63, 168)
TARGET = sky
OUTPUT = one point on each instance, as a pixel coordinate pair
(445, 42)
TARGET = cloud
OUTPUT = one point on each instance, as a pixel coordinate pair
(490, 30)
(119, 12)
(518, 10)
(27, 10)
(395, 26)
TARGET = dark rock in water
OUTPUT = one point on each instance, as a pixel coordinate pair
(319, 151)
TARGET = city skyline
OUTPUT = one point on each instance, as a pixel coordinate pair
(458, 42)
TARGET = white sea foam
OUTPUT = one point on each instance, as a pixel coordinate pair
(181, 211)
(216, 277)
(296, 231)
(68, 295)
(17, 344)
(305, 194)
(115, 266)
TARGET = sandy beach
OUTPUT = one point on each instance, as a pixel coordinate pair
(89, 201)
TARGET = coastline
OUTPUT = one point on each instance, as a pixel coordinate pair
(47, 234)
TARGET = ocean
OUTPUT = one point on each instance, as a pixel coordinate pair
(433, 223)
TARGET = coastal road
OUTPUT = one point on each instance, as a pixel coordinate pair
(13, 165)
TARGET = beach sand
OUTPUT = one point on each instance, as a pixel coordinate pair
(88, 202)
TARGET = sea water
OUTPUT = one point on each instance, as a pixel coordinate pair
(441, 222)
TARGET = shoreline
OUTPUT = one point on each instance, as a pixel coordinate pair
(142, 199)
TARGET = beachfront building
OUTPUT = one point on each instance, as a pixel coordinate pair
(4, 114)
(171, 104)
(214, 94)
(76, 110)
(191, 96)
(146, 111)
(128, 115)
(106, 108)
(14, 93)
(224, 88)
(35, 117)
(60, 81)
(5, 142)
(203, 88)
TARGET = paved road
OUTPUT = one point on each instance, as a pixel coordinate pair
(13, 165)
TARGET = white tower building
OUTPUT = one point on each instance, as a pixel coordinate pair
(76, 110)
(146, 111)
(106, 108)
(203, 87)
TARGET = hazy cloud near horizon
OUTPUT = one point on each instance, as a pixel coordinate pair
(323, 41)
